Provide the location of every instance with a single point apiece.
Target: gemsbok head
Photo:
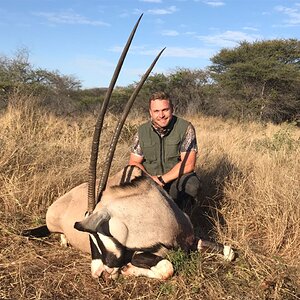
(128, 223)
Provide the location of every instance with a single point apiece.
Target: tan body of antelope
(133, 223)
(132, 218)
(133, 226)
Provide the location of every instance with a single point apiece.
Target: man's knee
(188, 184)
(192, 185)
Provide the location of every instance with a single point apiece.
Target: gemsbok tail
(38, 232)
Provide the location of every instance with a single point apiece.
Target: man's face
(161, 112)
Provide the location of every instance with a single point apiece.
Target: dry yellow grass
(250, 199)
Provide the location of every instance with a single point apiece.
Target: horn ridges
(99, 123)
(115, 138)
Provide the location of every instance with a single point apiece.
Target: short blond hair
(160, 96)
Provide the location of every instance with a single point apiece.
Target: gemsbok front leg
(149, 265)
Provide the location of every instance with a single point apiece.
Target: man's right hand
(155, 178)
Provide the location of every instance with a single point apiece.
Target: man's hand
(155, 178)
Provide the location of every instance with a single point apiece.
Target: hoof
(228, 253)
(128, 270)
(64, 241)
(163, 270)
(110, 273)
(97, 268)
(107, 277)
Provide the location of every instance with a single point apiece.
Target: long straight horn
(99, 123)
(115, 138)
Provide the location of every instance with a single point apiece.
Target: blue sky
(84, 38)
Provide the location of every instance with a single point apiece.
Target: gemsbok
(132, 223)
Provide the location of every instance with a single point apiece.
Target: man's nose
(161, 114)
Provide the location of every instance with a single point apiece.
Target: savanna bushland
(248, 163)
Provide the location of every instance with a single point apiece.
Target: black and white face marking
(112, 252)
(95, 247)
(97, 266)
(107, 255)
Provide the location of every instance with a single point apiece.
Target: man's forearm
(133, 163)
(174, 172)
(188, 159)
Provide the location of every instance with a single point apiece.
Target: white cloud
(182, 52)
(250, 28)
(228, 38)
(292, 13)
(151, 1)
(214, 3)
(159, 21)
(69, 18)
(170, 33)
(93, 63)
(137, 11)
(132, 50)
(165, 11)
(191, 33)
(188, 52)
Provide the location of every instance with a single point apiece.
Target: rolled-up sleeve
(189, 142)
(136, 147)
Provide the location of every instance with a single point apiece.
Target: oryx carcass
(133, 223)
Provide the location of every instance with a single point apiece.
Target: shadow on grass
(206, 213)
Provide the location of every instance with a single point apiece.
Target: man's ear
(172, 108)
(150, 113)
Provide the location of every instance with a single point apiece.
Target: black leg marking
(145, 260)
(153, 249)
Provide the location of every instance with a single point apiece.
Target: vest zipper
(161, 155)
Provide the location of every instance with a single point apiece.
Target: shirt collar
(163, 131)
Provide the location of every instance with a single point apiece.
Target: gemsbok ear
(93, 222)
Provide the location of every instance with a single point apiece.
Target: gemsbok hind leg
(148, 265)
(226, 251)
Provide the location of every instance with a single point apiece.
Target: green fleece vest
(161, 154)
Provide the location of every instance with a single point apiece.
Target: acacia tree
(260, 79)
(53, 89)
(188, 89)
(155, 82)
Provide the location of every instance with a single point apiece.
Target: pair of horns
(99, 124)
